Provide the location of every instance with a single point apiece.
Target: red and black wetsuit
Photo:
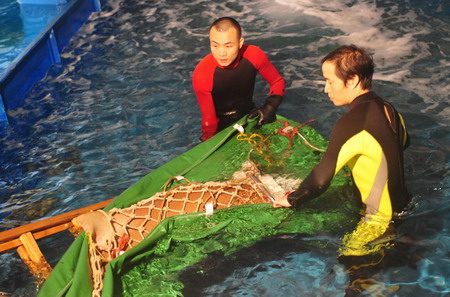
(225, 94)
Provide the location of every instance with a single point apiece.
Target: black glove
(300, 195)
(266, 113)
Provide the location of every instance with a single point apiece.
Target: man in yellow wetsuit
(369, 139)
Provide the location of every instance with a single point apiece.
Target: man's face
(339, 93)
(225, 45)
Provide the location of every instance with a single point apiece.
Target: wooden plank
(32, 256)
(15, 233)
(31, 247)
(22, 251)
(10, 245)
(53, 230)
(24, 240)
(38, 235)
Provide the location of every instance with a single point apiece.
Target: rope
(290, 132)
(261, 144)
(309, 144)
(131, 225)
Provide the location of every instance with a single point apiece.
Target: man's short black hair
(224, 23)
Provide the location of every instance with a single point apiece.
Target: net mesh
(159, 273)
(119, 230)
(268, 152)
(139, 219)
(282, 155)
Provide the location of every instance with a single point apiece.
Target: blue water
(20, 24)
(121, 104)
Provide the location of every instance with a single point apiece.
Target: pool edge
(41, 54)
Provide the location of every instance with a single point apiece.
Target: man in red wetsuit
(224, 80)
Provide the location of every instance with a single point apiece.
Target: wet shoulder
(206, 63)
(254, 55)
(205, 68)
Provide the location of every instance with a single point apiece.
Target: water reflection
(121, 104)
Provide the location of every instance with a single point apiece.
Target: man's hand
(283, 202)
(302, 194)
(206, 136)
(267, 113)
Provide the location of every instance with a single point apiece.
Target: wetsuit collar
(361, 99)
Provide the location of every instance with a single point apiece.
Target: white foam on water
(360, 24)
(392, 35)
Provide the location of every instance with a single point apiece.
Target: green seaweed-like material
(152, 268)
(190, 240)
(245, 225)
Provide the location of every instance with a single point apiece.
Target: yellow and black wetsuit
(370, 139)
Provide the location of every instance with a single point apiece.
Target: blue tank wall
(34, 62)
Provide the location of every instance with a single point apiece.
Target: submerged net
(192, 239)
(119, 230)
(285, 152)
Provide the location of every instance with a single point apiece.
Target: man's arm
(202, 83)
(267, 70)
(338, 154)
(266, 113)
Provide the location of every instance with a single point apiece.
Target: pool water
(20, 24)
(121, 104)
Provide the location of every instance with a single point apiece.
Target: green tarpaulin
(152, 267)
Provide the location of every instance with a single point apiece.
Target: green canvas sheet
(151, 268)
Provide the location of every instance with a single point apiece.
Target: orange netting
(118, 230)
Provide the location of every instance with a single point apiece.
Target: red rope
(122, 244)
(290, 132)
